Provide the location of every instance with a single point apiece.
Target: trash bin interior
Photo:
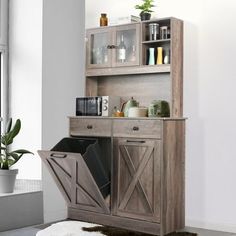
(73, 145)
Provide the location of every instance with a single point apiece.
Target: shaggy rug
(77, 228)
(111, 231)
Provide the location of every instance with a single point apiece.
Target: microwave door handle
(99, 102)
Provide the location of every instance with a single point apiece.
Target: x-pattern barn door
(138, 178)
(75, 181)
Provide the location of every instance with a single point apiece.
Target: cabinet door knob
(109, 46)
(89, 126)
(135, 128)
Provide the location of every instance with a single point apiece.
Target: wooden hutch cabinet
(145, 157)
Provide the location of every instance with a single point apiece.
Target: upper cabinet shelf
(156, 41)
(131, 70)
(135, 48)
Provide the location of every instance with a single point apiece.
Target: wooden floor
(31, 231)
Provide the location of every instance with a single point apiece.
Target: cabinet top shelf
(138, 22)
(127, 118)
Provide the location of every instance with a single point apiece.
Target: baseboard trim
(230, 228)
(21, 210)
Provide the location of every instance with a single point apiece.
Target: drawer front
(137, 128)
(90, 127)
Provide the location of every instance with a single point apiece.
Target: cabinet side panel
(177, 67)
(173, 203)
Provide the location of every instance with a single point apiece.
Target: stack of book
(123, 20)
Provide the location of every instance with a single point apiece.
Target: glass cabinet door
(98, 53)
(126, 40)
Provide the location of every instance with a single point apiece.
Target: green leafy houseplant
(146, 9)
(9, 157)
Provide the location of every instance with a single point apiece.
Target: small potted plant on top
(9, 157)
(145, 9)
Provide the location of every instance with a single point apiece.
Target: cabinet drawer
(137, 128)
(90, 127)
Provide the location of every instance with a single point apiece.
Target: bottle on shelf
(153, 31)
(103, 19)
(122, 50)
(163, 32)
(133, 54)
(151, 60)
(159, 55)
(167, 56)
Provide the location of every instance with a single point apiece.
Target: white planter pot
(7, 180)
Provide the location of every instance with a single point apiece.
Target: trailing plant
(8, 157)
(146, 6)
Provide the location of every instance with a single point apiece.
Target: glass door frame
(137, 28)
(90, 34)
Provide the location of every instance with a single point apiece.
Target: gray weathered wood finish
(113, 80)
(90, 127)
(75, 181)
(115, 221)
(147, 176)
(137, 192)
(177, 67)
(134, 70)
(173, 180)
(137, 128)
(144, 89)
(147, 154)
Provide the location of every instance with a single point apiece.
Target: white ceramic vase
(7, 180)
(151, 60)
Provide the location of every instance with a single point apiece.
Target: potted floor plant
(8, 157)
(146, 9)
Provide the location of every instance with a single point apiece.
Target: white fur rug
(68, 228)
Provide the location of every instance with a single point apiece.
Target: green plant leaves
(8, 137)
(146, 6)
(16, 155)
(8, 126)
(7, 158)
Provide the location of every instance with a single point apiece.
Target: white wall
(25, 72)
(63, 80)
(209, 95)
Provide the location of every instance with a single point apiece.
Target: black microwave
(96, 106)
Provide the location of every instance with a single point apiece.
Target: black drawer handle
(136, 141)
(135, 128)
(89, 126)
(58, 155)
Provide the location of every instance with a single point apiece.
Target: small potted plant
(145, 9)
(9, 157)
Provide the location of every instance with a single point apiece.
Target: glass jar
(103, 19)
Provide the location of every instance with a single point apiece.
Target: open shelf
(156, 41)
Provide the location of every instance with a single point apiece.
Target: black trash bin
(91, 153)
